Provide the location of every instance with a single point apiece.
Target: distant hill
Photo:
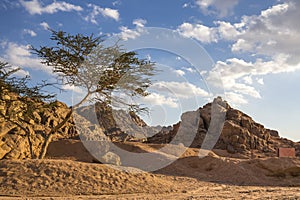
(240, 134)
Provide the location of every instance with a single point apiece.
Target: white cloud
(158, 99)
(105, 12)
(222, 8)
(139, 22)
(275, 10)
(273, 40)
(30, 32)
(244, 89)
(179, 72)
(222, 30)
(19, 55)
(241, 45)
(183, 90)
(260, 81)
(185, 5)
(35, 7)
(198, 31)
(73, 88)
(108, 12)
(227, 31)
(235, 69)
(274, 32)
(189, 69)
(20, 73)
(116, 3)
(248, 80)
(45, 25)
(235, 99)
(127, 33)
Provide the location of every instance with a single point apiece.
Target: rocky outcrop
(118, 125)
(24, 124)
(240, 133)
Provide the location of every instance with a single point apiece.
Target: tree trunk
(28, 133)
(45, 146)
(59, 126)
(50, 135)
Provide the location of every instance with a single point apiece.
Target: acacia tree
(84, 61)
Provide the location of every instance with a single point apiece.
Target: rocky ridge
(240, 134)
(26, 122)
(29, 124)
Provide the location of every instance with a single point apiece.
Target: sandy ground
(213, 191)
(69, 175)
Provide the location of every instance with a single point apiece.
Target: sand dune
(70, 175)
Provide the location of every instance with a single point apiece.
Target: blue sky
(253, 47)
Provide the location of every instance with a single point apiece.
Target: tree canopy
(84, 61)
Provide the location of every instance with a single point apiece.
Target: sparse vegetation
(77, 61)
(83, 61)
(13, 88)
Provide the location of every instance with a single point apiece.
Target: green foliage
(85, 62)
(68, 54)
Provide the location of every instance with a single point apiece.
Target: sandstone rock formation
(240, 134)
(118, 125)
(25, 126)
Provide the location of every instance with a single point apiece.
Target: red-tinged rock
(286, 152)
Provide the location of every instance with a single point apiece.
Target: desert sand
(68, 173)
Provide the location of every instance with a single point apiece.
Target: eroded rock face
(118, 125)
(28, 123)
(240, 133)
